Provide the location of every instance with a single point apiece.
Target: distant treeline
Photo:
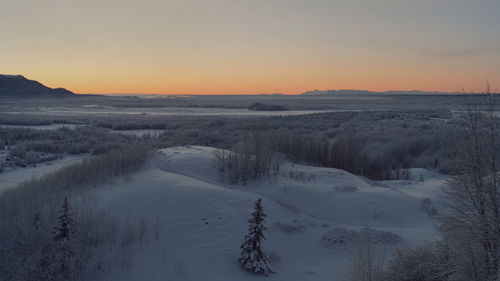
(375, 144)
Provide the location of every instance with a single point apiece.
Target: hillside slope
(196, 222)
(17, 86)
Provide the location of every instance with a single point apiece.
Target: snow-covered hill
(195, 222)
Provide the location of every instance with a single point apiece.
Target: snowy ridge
(202, 220)
(376, 205)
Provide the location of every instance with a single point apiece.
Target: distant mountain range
(365, 92)
(17, 86)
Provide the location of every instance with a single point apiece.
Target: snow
(202, 220)
(15, 176)
(421, 189)
(375, 204)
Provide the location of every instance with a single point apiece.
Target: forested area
(378, 145)
(469, 223)
(57, 234)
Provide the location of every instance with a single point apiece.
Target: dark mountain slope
(17, 86)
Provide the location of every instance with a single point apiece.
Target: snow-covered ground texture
(12, 177)
(196, 222)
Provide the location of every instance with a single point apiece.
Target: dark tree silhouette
(37, 217)
(253, 258)
(62, 238)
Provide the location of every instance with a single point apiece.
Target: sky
(252, 46)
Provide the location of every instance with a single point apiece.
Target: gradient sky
(252, 46)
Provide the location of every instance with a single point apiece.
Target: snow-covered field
(196, 222)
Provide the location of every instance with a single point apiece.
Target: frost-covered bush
(424, 263)
(79, 148)
(45, 146)
(367, 263)
(470, 222)
(252, 159)
(346, 238)
(19, 151)
(29, 213)
(102, 148)
(375, 144)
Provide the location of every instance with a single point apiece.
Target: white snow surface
(203, 220)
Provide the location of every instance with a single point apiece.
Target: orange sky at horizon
(298, 85)
(195, 47)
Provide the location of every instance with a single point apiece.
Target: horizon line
(286, 94)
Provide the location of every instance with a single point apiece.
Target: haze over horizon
(252, 47)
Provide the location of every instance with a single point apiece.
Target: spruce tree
(253, 258)
(62, 238)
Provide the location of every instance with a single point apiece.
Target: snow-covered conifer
(253, 258)
(62, 237)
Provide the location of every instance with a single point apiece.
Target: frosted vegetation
(372, 144)
(346, 195)
(30, 245)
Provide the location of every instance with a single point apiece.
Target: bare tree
(423, 263)
(254, 158)
(366, 263)
(472, 223)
